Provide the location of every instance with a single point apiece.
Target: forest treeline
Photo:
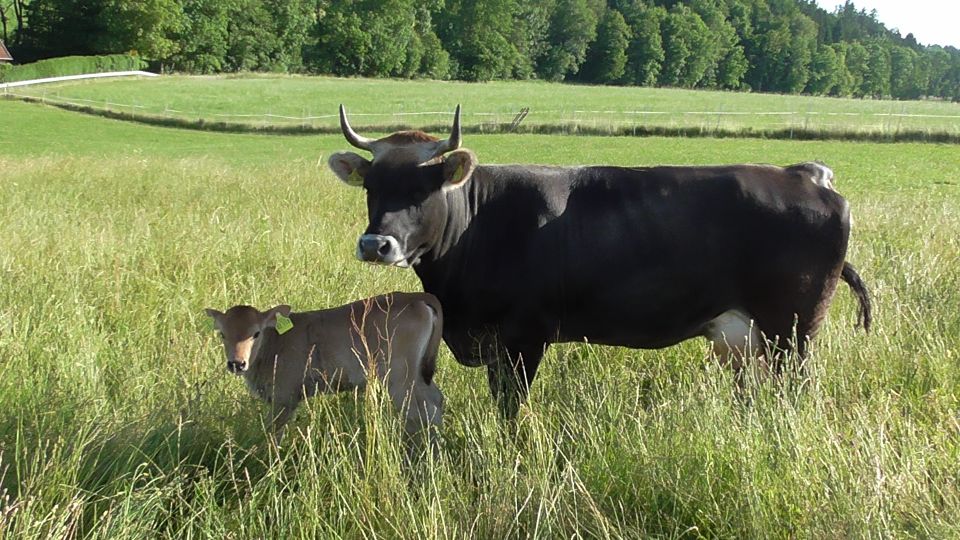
(787, 46)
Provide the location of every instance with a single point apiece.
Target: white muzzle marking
(380, 249)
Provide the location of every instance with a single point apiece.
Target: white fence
(78, 77)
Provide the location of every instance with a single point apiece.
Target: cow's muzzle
(236, 366)
(380, 249)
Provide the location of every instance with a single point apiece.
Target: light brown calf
(334, 350)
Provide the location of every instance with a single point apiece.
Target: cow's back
(637, 257)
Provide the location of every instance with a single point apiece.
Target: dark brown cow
(521, 256)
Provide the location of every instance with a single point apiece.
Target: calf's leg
(281, 414)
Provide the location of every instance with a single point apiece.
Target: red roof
(4, 53)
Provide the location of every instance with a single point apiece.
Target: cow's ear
(457, 168)
(349, 167)
(270, 317)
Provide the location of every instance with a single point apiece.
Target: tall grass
(119, 420)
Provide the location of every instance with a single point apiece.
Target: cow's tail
(864, 314)
(428, 365)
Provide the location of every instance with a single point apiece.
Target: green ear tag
(283, 324)
(458, 174)
(355, 179)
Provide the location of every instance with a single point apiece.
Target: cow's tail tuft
(864, 313)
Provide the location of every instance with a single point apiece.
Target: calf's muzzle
(236, 366)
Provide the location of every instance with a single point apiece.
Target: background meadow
(297, 103)
(119, 420)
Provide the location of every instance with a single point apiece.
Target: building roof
(4, 53)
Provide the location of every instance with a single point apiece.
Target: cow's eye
(256, 335)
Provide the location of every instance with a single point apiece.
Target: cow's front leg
(511, 375)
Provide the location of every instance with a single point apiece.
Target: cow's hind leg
(511, 376)
(792, 322)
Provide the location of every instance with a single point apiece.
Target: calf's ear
(215, 315)
(457, 168)
(349, 168)
(270, 317)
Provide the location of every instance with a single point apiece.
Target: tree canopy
(787, 46)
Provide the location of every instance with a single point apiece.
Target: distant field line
(108, 103)
(788, 124)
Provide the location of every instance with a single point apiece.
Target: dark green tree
(676, 48)
(529, 36)
(844, 83)
(688, 48)
(365, 37)
(64, 27)
(902, 71)
(645, 51)
(147, 27)
(856, 59)
(202, 37)
(607, 56)
(938, 68)
(292, 22)
(478, 37)
(573, 26)
(725, 65)
(11, 21)
(876, 79)
(952, 84)
(825, 70)
(803, 44)
(252, 42)
(780, 47)
(732, 68)
(435, 62)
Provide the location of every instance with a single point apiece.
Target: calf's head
(405, 182)
(241, 329)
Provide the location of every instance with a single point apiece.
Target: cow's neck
(262, 367)
(445, 263)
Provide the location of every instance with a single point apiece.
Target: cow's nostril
(384, 249)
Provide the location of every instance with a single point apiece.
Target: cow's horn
(454, 141)
(362, 143)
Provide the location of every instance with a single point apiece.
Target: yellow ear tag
(283, 324)
(458, 174)
(355, 179)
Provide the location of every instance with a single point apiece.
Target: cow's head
(405, 184)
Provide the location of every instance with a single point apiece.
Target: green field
(311, 102)
(120, 421)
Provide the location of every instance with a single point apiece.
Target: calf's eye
(256, 335)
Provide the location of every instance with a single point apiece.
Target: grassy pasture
(119, 421)
(311, 102)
